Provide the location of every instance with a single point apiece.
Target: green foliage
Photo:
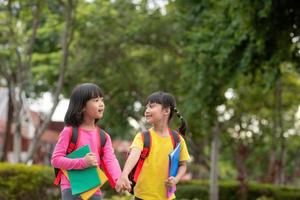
(128, 52)
(192, 191)
(197, 50)
(246, 47)
(18, 181)
(27, 182)
(229, 191)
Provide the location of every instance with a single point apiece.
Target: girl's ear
(166, 111)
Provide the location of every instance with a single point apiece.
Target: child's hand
(91, 159)
(118, 187)
(123, 184)
(171, 181)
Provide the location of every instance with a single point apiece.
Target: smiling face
(155, 113)
(159, 108)
(94, 108)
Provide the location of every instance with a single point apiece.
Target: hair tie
(177, 113)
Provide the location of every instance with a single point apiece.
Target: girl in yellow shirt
(153, 180)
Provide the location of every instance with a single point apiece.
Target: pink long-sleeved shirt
(87, 137)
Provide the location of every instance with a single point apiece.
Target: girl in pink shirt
(86, 107)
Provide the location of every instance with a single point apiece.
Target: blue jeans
(67, 195)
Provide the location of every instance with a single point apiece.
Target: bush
(195, 192)
(228, 190)
(19, 181)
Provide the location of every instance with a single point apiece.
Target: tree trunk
(7, 136)
(296, 170)
(17, 144)
(241, 156)
(282, 150)
(17, 75)
(197, 150)
(66, 39)
(270, 177)
(214, 189)
(17, 137)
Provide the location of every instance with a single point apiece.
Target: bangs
(156, 97)
(162, 98)
(93, 92)
(88, 91)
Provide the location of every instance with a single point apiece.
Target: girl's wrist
(84, 162)
(124, 175)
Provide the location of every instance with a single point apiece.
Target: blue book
(174, 158)
(83, 179)
(174, 161)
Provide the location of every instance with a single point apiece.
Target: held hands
(123, 184)
(171, 181)
(90, 159)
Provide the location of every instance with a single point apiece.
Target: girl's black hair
(80, 95)
(168, 101)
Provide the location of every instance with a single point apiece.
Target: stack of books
(84, 182)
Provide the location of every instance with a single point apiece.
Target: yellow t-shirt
(151, 182)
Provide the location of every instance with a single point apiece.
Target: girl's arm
(184, 156)
(123, 182)
(110, 160)
(59, 160)
(172, 181)
(131, 160)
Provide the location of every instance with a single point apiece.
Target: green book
(84, 179)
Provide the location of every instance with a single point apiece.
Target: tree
(68, 8)
(222, 40)
(16, 59)
(18, 42)
(122, 48)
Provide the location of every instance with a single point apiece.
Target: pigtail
(183, 127)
